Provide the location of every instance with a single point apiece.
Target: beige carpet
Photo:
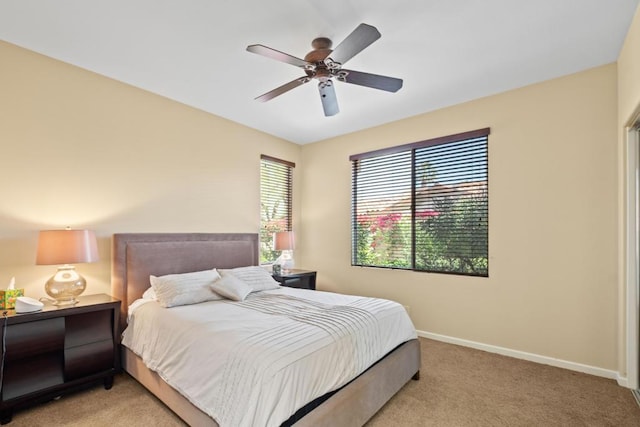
(458, 387)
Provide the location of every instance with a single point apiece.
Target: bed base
(352, 405)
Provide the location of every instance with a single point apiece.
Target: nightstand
(294, 278)
(58, 349)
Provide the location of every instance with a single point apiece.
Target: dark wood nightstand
(294, 278)
(58, 349)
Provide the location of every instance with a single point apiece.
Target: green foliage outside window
(451, 238)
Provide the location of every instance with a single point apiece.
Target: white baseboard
(622, 381)
(559, 363)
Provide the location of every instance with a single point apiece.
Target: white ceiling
(447, 51)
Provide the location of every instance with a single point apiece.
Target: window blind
(276, 194)
(423, 206)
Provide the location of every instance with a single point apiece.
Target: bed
(137, 256)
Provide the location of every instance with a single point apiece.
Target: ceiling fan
(323, 64)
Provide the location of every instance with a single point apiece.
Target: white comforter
(256, 362)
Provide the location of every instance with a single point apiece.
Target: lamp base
(65, 285)
(63, 302)
(286, 260)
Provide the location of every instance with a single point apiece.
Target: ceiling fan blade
(277, 55)
(390, 84)
(328, 98)
(282, 89)
(355, 43)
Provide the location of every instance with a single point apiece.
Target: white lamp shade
(284, 241)
(57, 247)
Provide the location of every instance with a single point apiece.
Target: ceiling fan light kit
(325, 64)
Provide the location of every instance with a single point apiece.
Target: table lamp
(65, 247)
(284, 241)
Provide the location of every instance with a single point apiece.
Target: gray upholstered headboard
(135, 256)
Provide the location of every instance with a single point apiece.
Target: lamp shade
(284, 241)
(56, 247)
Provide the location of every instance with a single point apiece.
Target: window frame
(411, 149)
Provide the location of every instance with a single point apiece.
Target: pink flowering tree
(383, 239)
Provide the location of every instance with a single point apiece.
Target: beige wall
(628, 74)
(82, 150)
(628, 110)
(552, 223)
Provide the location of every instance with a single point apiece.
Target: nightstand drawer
(88, 359)
(32, 338)
(294, 283)
(87, 328)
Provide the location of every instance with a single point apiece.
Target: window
(423, 206)
(276, 178)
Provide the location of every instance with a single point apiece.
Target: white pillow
(187, 288)
(258, 278)
(149, 294)
(231, 287)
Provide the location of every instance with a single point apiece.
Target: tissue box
(8, 298)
